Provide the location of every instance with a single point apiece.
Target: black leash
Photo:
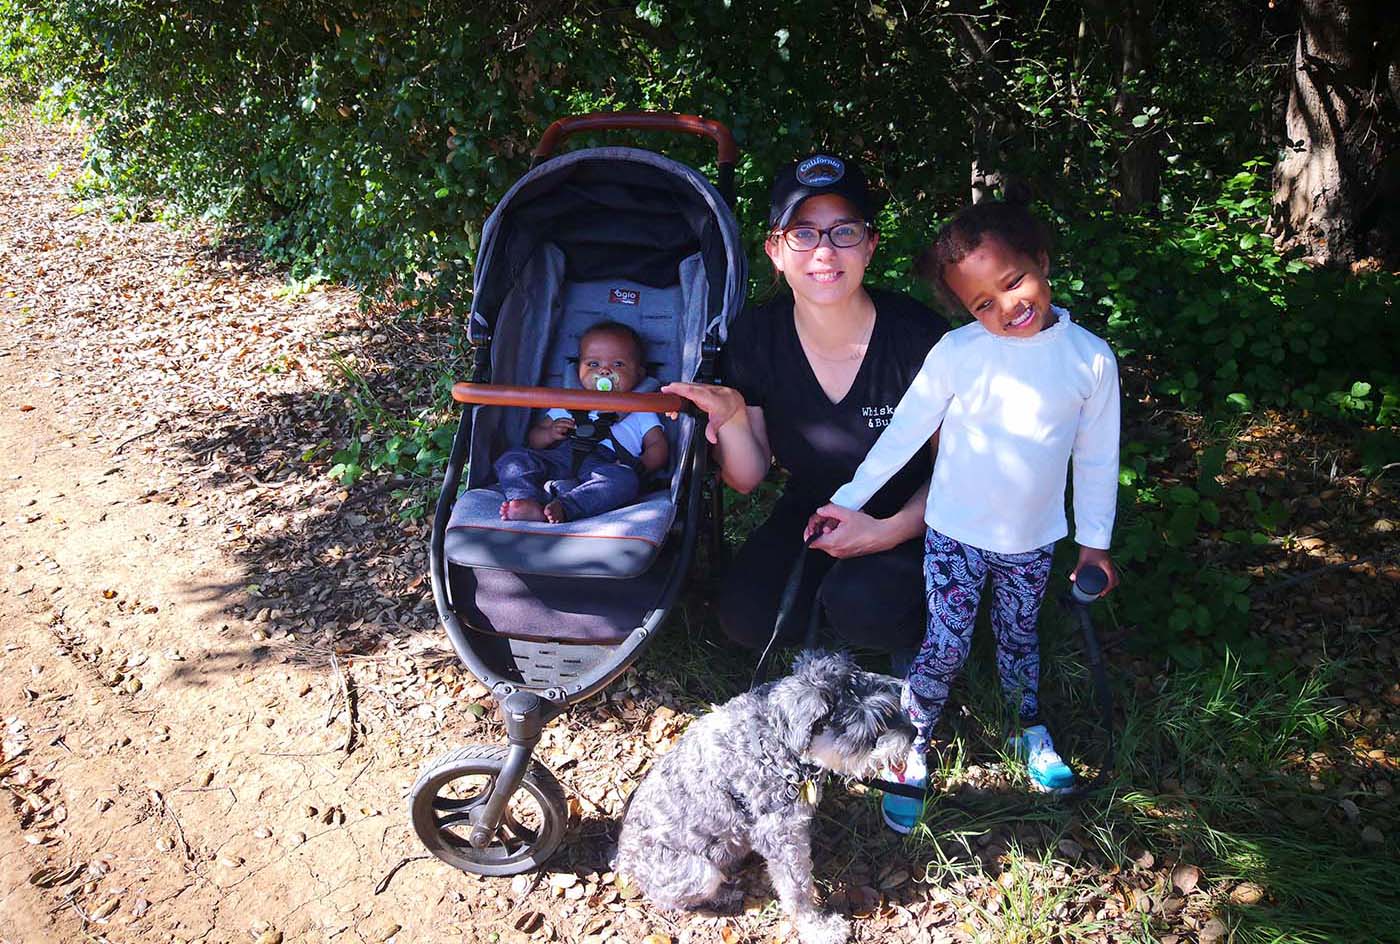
(1088, 584)
(785, 606)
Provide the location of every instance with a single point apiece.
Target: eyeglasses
(842, 236)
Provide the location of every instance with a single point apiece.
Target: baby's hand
(560, 429)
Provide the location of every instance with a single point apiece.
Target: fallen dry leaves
(200, 362)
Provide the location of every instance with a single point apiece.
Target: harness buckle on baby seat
(591, 432)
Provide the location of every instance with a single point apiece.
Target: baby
(577, 466)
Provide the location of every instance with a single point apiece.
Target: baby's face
(605, 355)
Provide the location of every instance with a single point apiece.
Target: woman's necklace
(858, 348)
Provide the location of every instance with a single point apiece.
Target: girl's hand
(846, 533)
(1099, 558)
(721, 404)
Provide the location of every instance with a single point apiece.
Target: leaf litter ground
(222, 670)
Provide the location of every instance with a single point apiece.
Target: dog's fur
(736, 783)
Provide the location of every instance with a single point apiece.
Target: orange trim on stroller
(548, 397)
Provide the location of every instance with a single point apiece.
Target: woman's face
(825, 275)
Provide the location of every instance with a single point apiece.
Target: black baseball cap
(811, 177)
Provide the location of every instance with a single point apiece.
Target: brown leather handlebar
(544, 398)
(555, 134)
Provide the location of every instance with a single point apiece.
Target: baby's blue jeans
(603, 482)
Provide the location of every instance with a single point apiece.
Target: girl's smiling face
(1007, 291)
(825, 275)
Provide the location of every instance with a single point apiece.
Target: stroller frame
(495, 841)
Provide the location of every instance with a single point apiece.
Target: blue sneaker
(901, 813)
(1047, 771)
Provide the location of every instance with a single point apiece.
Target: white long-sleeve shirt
(1013, 412)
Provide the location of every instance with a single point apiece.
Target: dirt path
(177, 772)
(221, 669)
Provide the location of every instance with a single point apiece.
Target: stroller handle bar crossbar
(543, 398)
(638, 121)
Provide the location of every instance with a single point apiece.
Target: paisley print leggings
(954, 574)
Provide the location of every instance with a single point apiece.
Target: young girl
(1018, 393)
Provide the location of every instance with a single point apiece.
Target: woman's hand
(847, 533)
(1100, 559)
(721, 404)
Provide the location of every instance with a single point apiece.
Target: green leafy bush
(367, 142)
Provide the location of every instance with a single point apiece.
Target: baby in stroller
(578, 465)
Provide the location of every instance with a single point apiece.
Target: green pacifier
(602, 385)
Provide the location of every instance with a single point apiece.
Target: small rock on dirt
(381, 929)
(1070, 849)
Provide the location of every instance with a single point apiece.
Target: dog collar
(802, 780)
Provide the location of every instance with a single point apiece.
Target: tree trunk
(991, 128)
(1140, 163)
(986, 177)
(1337, 185)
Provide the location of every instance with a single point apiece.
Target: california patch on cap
(820, 170)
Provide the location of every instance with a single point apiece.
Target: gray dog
(745, 778)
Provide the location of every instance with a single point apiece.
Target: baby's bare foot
(554, 513)
(522, 509)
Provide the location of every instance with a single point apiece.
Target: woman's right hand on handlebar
(721, 404)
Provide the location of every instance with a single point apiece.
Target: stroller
(547, 615)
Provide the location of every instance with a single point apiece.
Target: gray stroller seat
(623, 542)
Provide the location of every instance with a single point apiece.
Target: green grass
(1208, 774)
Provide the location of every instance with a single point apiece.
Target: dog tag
(808, 792)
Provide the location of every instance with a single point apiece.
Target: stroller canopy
(614, 212)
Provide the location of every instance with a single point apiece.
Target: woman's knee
(875, 607)
(744, 618)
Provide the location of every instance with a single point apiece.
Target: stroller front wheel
(451, 788)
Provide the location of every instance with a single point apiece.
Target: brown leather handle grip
(555, 134)
(543, 398)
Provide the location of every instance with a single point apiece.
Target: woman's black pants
(871, 602)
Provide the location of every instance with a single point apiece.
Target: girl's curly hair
(1010, 222)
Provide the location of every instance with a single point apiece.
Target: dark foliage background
(368, 142)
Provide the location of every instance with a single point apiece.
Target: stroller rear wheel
(532, 824)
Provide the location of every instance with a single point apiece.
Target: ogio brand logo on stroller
(624, 296)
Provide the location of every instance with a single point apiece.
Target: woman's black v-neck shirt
(821, 443)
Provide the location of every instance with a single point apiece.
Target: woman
(813, 380)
